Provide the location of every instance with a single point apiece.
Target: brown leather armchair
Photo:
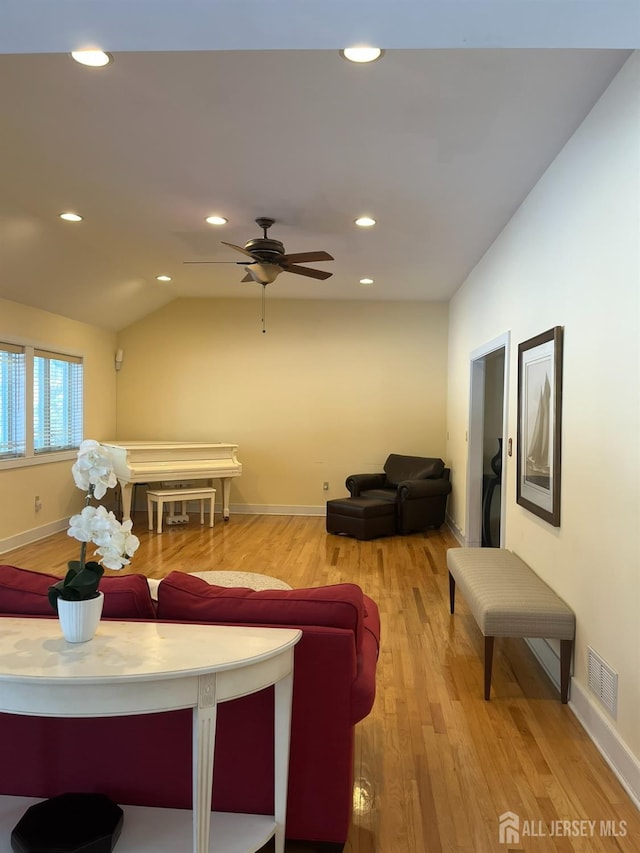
(418, 486)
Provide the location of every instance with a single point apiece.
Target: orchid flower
(93, 473)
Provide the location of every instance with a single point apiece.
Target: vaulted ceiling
(440, 141)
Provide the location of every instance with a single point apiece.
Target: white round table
(250, 580)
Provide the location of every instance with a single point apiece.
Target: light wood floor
(436, 765)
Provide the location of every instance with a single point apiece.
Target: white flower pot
(79, 619)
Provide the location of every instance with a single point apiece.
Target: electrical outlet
(325, 486)
(37, 504)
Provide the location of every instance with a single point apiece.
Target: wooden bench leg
(452, 593)
(488, 665)
(566, 648)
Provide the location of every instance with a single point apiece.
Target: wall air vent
(603, 681)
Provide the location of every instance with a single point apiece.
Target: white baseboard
(455, 530)
(247, 509)
(593, 720)
(610, 745)
(33, 535)
(277, 509)
(548, 658)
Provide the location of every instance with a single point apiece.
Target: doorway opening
(486, 449)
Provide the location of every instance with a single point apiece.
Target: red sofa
(146, 760)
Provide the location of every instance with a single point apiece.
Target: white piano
(164, 461)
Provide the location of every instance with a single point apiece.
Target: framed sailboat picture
(539, 424)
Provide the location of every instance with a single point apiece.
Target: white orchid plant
(93, 473)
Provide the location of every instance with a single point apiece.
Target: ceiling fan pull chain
(264, 292)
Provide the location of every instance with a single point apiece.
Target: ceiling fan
(268, 258)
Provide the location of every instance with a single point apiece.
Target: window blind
(57, 401)
(12, 409)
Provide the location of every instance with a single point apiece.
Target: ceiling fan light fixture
(361, 53)
(365, 221)
(263, 273)
(93, 58)
(71, 217)
(216, 220)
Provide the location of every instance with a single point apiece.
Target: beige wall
(331, 388)
(53, 482)
(570, 257)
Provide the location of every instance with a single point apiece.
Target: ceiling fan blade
(247, 278)
(242, 263)
(307, 256)
(237, 248)
(320, 274)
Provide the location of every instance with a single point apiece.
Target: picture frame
(539, 433)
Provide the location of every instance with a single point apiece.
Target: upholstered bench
(364, 518)
(507, 599)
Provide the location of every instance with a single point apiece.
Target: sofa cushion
(398, 468)
(24, 593)
(184, 597)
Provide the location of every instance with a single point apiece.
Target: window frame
(72, 420)
(31, 456)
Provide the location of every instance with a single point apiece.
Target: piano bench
(171, 496)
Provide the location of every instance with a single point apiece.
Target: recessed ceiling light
(216, 220)
(366, 281)
(71, 217)
(163, 277)
(365, 221)
(361, 53)
(93, 58)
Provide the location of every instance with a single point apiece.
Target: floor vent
(603, 681)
